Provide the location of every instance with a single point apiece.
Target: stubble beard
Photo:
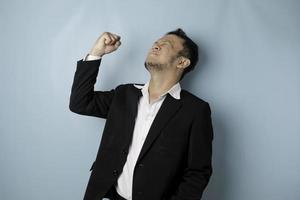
(154, 66)
(157, 66)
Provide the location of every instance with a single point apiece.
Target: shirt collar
(174, 91)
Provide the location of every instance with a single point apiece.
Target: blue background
(251, 80)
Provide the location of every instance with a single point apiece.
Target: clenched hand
(105, 44)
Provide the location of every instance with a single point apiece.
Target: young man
(157, 139)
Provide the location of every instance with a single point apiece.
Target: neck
(158, 86)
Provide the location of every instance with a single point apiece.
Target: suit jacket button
(124, 151)
(115, 172)
(140, 165)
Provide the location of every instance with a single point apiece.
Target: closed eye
(165, 43)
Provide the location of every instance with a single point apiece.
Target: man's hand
(106, 43)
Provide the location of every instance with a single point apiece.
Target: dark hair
(190, 50)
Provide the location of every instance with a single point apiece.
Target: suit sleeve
(83, 99)
(199, 168)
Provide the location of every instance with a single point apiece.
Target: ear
(183, 62)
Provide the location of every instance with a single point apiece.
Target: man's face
(164, 52)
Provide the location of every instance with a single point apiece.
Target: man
(157, 139)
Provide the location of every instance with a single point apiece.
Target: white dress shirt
(145, 116)
(91, 57)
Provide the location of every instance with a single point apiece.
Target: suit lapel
(131, 109)
(167, 110)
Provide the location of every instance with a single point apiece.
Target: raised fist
(106, 43)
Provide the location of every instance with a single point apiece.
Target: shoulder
(195, 105)
(198, 108)
(129, 86)
(192, 99)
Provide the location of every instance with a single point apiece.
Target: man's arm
(199, 168)
(83, 99)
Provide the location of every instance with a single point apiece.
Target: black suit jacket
(175, 160)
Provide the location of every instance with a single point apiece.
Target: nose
(155, 47)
